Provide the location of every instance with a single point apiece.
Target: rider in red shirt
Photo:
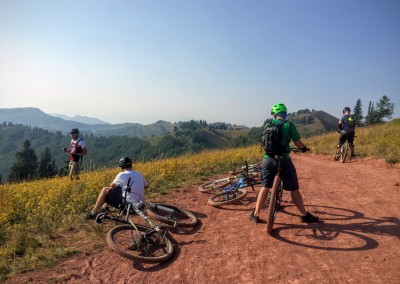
(77, 151)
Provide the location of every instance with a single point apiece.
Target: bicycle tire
(229, 197)
(279, 197)
(180, 218)
(155, 248)
(216, 184)
(344, 151)
(272, 205)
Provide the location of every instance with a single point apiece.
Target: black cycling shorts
(114, 197)
(269, 168)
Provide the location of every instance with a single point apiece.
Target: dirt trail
(357, 242)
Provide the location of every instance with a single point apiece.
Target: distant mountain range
(308, 123)
(36, 118)
(79, 118)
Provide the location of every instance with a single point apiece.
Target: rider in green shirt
(289, 175)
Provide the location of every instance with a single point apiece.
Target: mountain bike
(235, 191)
(344, 152)
(145, 244)
(250, 174)
(275, 194)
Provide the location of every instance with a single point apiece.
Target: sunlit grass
(41, 221)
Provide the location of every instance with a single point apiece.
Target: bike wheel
(344, 152)
(143, 245)
(227, 197)
(272, 205)
(216, 184)
(279, 197)
(178, 217)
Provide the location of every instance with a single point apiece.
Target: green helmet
(278, 108)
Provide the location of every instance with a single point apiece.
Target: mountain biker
(113, 195)
(346, 130)
(77, 150)
(269, 168)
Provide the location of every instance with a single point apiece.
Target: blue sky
(230, 61)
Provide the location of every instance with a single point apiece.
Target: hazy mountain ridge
(80, 118)
(34, 117)
(308, 124)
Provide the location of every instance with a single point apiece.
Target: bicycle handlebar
(303, 150)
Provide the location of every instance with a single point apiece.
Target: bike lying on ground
(275, 194)
(250, 173)
(234, 188)
(150, 243)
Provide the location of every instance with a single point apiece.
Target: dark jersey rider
(347, 131)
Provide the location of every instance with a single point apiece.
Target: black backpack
(271, 139)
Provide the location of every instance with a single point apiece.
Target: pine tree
(384, 109)
(25, 166)
(369, 120)
(47, 165)
(357, 113)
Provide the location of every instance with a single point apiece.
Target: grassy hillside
(314, 123)
(41, 221)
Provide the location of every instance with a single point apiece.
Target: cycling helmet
(74, 131)
(346, 109)
(278, 108)
(125, 162)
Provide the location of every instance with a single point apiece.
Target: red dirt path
(357, 242)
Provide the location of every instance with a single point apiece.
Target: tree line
(20, 144)
(27, 166)
(377, 113)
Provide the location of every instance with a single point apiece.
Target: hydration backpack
(271, 139)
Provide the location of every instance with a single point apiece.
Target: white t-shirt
(138, 183)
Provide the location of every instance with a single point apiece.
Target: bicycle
(145, 244)
(235, 191)
(344, 152)
(248, 172)
(275, 195)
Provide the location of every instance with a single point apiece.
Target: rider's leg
(342, 139)
(350, 138)
(261, 199)
(291, 183)
(269, 170)
(101, 200)
(298, 201)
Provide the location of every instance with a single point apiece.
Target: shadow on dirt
(341, 230)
